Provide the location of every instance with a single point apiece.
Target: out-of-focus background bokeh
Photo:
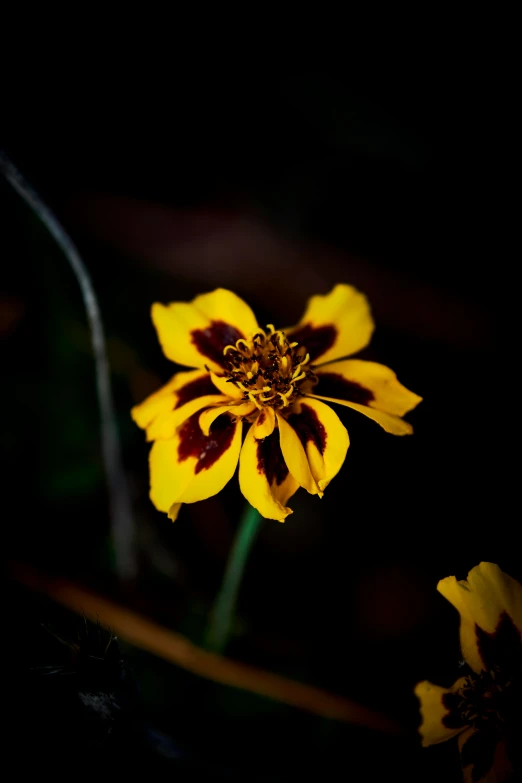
(277, 188)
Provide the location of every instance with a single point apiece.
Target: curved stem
(223, 611)
(121, 516)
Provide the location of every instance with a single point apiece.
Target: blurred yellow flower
(276, 381)
(484, 707)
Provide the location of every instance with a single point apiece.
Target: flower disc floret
(269, 369)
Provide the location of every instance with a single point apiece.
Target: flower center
(487, 700)
(268, 368)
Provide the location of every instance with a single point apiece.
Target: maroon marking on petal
(197, 388)
(332, 384)
(309, 427)
(503, 647)
(211, 341)
(206, 449)
(452, 702)
(261, 418)
(316, 339)
(270, 460)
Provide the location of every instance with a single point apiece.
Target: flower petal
(295, 456)
(324, 437)
(265, 423)
(196, 333)
(191, 466)
(264, 478)
(207, 418)
(226, 387)
(174, 325)
(164, 410)
(165, 425)
(366, 383)
(490, 606)
(389, 423)
(436, 714)
(162, 400)
(174, 511)
(335, 325)
(221, 301)
(162, 464)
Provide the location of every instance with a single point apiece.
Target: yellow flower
(483, 708)
(274, 381)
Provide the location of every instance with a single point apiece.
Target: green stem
(224, 607)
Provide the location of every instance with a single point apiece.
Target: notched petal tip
(489, 602)
(336, 324)
(434, 713)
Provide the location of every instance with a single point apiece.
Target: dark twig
(120, 506)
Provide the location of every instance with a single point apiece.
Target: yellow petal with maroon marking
(365, 383)
(159, 403)
(174, 324)
(194, 384)
(191, 466)
(436, 713)
(490, 606)
(391, 424)
(165, 425)
(196, 333)
(323, 436)
(164, 399)
(207, 418)
(335, 325)
(264, 478)
(183, 395)
(295, 456)
(164, 410)
(224, 304)
(265, 423)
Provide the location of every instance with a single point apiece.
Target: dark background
(276, 186)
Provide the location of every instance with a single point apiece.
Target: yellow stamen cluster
(268, 368)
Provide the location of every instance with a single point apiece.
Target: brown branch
(174, 647)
